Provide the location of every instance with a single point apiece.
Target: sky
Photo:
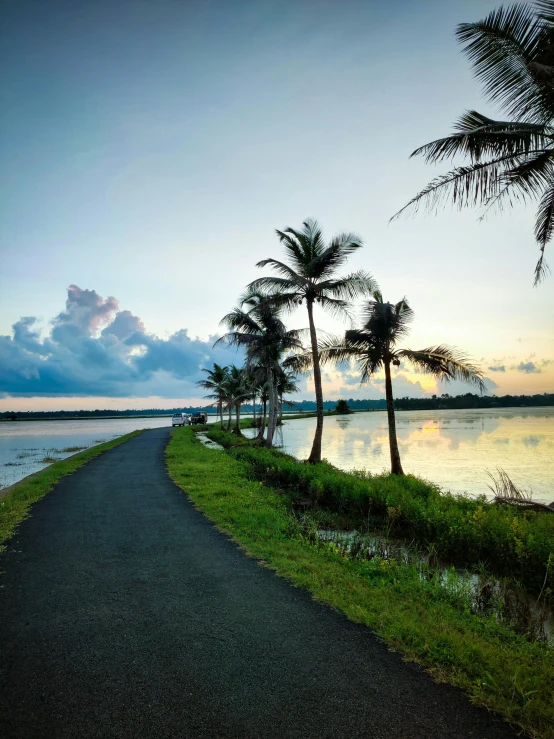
(150, 148)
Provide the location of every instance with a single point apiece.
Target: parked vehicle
(180, 419)
(199, 418)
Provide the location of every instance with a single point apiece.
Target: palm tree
(310, 276)
(286, 384)
(215, 382)
(237, 391)
(373, 347)
(264, 336)
(512, 52)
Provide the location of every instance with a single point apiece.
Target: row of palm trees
(230, 387)
(274, 354)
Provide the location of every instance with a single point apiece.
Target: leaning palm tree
(374, 347)
(256, 326)
(215, 381)
(310, 276)
(512, 52)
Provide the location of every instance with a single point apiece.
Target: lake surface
(24, 444)
(450, 448)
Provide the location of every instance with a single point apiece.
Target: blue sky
(150, 149)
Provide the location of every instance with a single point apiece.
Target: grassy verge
(492, 664)
(14, 507)
(465, 531)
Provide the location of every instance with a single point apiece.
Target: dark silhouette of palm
(310, 276)
(260, 331)
(374, 346)
(215, 381)
(512, 52)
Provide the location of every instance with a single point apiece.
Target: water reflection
(451, 448)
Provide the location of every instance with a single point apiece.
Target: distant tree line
(436, 402)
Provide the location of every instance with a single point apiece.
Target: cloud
(93, 348)
(527, 367)
(498, 368)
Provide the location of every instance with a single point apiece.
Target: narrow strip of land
(125, 613)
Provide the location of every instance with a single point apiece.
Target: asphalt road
(124, 613)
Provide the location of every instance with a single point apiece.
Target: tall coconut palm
(374, 347)
(512, 52)
(310, 277)
(215, 381)
(256, 326)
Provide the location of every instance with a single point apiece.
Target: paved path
(124, 613)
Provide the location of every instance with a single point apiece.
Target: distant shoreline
(291, 414)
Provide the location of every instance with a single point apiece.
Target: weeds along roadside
(16, 500)
(495, 666)
(464, 531)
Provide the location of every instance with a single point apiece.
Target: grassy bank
(492, 664)
(463, 530)
(18, 498)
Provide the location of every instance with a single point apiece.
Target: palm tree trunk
(395, 464)
(315, 454)
(272, 420)
(237, 415)
(230, 416)
(221, 413)
(262, 424)
(254, 421)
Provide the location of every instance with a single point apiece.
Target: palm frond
(475, 184)
(272, 285)
(543, 231)
(350, 287)
(335, 255)
(480, 136)
(501, 47)
(336, 350)
(524, 181)
(445, 363)
(387, 322)
(283, 269)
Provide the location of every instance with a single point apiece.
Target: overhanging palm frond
(501, 47)
(524, 181)
(480, 136)
(543, 231)
(475, 184)
(445, 363)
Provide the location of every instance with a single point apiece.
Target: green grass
(495, 667)
(14, 507)
(463, 530)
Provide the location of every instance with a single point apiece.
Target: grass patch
(495, 666)
(463, 530)
(72, 449)
(14, 507)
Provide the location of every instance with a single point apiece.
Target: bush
(342, 408)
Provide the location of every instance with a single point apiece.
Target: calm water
(450, 448)
(24, 444)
